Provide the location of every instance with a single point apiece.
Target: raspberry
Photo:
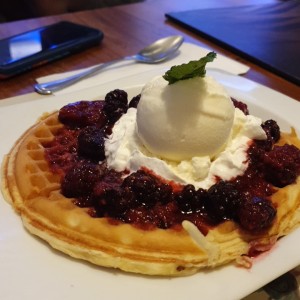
(82, 113)
(282, 165)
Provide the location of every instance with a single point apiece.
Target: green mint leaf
(195, 68)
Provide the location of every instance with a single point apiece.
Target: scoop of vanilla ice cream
(190, 118)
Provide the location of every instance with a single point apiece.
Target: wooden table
(127, 29)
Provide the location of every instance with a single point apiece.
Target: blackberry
(91, 143)
(189, 200)
(135, 101)
(147, 189)
(80, 179)
(110, 180)
(272, 130)
(222, 201)
(109, 197)
(116, 104)
(256, 214)
(273, 135)
(109, 200)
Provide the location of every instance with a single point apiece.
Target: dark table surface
(127, 29)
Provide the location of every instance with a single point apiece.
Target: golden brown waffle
(34, 192)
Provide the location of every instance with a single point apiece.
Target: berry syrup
(148, 201)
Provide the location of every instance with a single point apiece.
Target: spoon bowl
(156, 52)
(160, 50)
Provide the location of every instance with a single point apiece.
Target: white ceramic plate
(30, 269)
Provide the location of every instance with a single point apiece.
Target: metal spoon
(157, 52)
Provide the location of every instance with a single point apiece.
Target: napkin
(123, 69)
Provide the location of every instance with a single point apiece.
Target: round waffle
(34, 192)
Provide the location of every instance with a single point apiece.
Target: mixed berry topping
(255, 214)
(135, 101)
(241, 105)
(147, 201)
(223, 201)
(91, 143)
(281, 165)
(116, 104)
(83, 113)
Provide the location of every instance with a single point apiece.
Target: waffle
(34, 191)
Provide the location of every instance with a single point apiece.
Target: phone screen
(43, 39)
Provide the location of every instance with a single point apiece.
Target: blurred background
(12, 10)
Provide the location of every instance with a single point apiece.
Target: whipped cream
(124, 150)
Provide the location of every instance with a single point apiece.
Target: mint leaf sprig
(195, 68)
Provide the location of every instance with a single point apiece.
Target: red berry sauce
(148, 201)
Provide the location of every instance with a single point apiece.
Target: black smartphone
(30, 49)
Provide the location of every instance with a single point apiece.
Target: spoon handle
(48, 88)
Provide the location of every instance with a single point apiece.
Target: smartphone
(30, 49)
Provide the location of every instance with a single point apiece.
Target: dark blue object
(267, 34)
